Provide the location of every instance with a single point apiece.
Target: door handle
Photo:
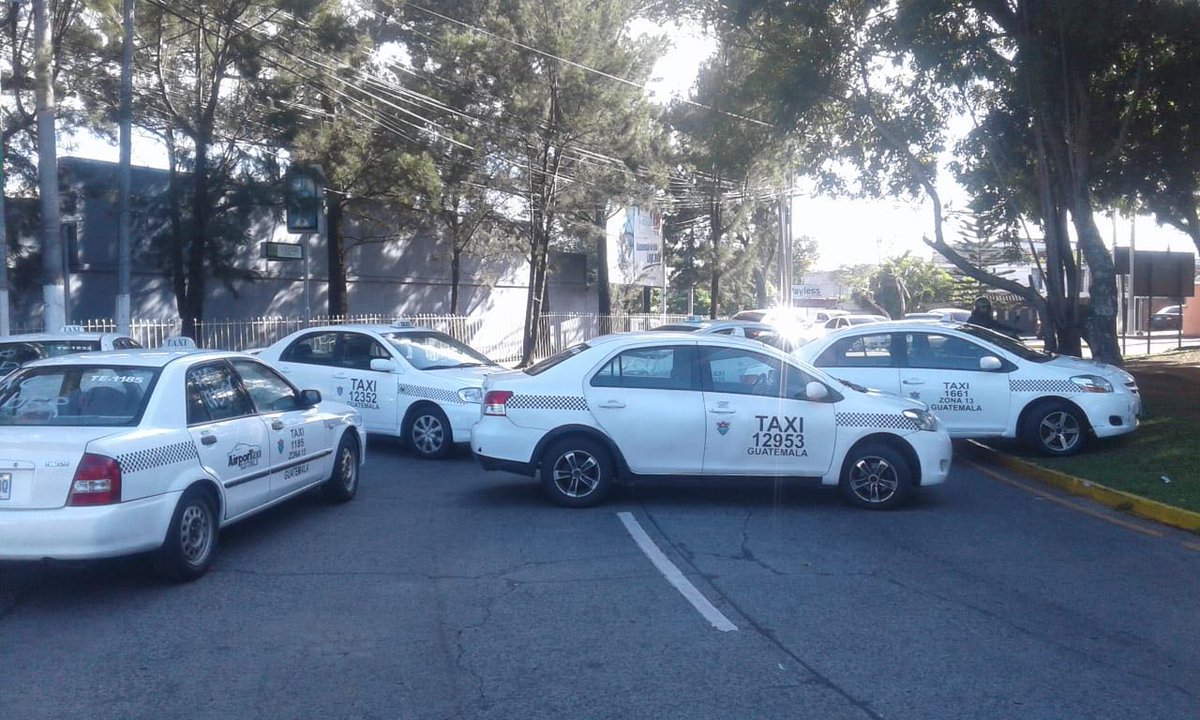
(276, 424)
(340, 376)
(914, 382)
(208, 439)
(722, 411)
(612, 405)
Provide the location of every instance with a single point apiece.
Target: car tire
(876, 476)
(1055, 428)
(191, 541)
(577, 472)
(427, 432)
(342, 483)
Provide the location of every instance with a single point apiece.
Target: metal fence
(498, 337)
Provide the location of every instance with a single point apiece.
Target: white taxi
(983, 384)
(16, 350)
(414, 383)
(118, 453)
(661, 404)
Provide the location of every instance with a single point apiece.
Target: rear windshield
(76, 395)
(544, 365)
(14, 354)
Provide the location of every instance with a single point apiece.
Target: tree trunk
(197, 252)
(335, 257)
(1102, 316)
(176, 239)
(455, 275)
(53, 281)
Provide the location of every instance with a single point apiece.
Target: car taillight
(495, 402)
(97, 482)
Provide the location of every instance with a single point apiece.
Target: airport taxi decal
(778, 435)
(956, 397)
(244, 456)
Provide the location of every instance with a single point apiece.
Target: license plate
(5, 486)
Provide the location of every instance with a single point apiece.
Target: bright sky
(847, 232)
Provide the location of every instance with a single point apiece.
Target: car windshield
(1016, 347)
(435, 351)
(76, 395)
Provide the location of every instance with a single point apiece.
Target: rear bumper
(83, 533)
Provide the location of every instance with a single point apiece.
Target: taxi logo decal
(723, 427)
(280, 446)
(340, 390)
(244, 456)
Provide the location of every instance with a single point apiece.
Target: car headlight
(923, 419)
(1092, 383)
(471, 395)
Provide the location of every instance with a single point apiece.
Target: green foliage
(899, 285)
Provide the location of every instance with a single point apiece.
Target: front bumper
(461, 418)
(1111, 414)
(935, 453)
(81, 533)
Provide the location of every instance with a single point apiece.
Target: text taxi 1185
(637, 405)
(118, 453)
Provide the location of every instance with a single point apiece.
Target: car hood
(1076, 365)
(467, 376)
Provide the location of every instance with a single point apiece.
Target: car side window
(858, 351)
(741, 372)
(214, 394)
(659, 368)
(943, 352)
(358, 350)
(268, 390)
(315, 349)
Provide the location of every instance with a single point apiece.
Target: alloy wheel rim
(348, 469)
(195, 534)
(576, 474)
(428, 434)
(873, 479)
(1059, 431)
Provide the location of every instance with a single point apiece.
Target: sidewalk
(1155, 471)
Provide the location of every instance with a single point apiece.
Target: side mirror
(385, 365)
(990, 363)
(816, 391)
(310, 398)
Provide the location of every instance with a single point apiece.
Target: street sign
(304, 190)
(282, 251)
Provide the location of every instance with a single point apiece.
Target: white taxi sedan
(661, 404)
(16, 350)
(118, 453)
(414, 383)
(983, 384)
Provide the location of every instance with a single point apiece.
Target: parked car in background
(16, 350)
(1168, 318)
(635, 405)
(118, 453)
(760, 331)
(983, 384)
(789, 316)
(411, 382)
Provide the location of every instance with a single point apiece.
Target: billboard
(635, 247)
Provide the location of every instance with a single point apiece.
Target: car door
(310, 360)
(760, 422)
(867, 359)
(230, 438)
(648, 401)
(373, 392)
(298, 441)
(944, 372)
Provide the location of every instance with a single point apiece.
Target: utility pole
(54, 314)
(124, 261)
(5, 325)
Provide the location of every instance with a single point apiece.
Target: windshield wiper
(853, 385)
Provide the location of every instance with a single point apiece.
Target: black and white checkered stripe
(548, 402)
(875, 420)
(151, 458)
(438, 394)
(1042, 386)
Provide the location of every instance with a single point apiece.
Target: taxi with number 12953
(622, 407)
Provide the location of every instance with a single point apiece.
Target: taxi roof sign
(72, 329)
(179, 342)
(402, 324)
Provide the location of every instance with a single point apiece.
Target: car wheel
(428, 433)
(343, 481)
(876, 477)
(1055, 428)
(191, 540)
(577, 472)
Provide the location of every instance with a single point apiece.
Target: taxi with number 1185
(622, 407)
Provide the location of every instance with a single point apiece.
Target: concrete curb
(1116, 499)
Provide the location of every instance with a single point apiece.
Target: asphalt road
(442, 591)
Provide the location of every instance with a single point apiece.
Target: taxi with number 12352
(639, 405)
